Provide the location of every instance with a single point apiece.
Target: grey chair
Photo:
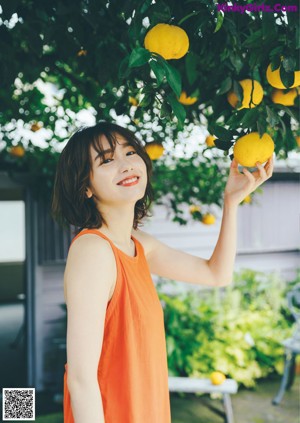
(291, 345)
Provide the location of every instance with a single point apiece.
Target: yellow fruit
(154, 150)
(284, 98)
(298, 140)
(250, 98)
(208, 219)
(187, 101)
(17, 151)
(35, 127)
(273, 78)
(217, 378)
(210, 140)
(247, 199)
(133, 101)
(170, 41)
(232, 98)
(194, 208)
(82, 53)
(250, 149)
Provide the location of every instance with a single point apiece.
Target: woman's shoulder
(88, 255)
(88, 242)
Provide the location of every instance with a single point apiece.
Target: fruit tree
(167, 66)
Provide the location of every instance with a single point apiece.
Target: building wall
(50, 327)
(267, 234)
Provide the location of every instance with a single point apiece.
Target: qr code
(18, 404)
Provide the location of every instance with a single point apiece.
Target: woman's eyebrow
(109, 150)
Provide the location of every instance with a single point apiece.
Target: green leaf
(123, 68)
(220, 20)
(283, 127)
(290, 112)
(191, 61)
(160, 12)
(133, 32)
(173, 77)
(275, 63)
(190, 15)
(158, 70)
(220, 132)
(260, 128)
(236, 61)
(166, 110)
(145, 6)
(223, 145)
(147, 99)
(276, 53)
(195, 93)
(139, 57)
(250, 118)
(287, 78)
(238, 91)
(177, 108)
(253, 39)
(272, 117)
(225, 86)
(269, 27)
(289, 64)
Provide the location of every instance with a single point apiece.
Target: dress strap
(139, 251)
(94, 231)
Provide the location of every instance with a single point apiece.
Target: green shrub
(237, 330)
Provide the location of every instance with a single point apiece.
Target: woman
(116, 367)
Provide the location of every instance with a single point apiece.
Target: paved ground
(249, 406)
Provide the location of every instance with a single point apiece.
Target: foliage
(185, 181)
(236, 330)
(42, 165)
(91, 53)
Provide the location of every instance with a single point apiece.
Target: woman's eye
(105, 161)
(133, 152)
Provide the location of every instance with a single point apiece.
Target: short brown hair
(70, 205)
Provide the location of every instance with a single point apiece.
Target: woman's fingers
(262, 171)
(269, 167)
(262, 174)
(234, 166)
(249, 175)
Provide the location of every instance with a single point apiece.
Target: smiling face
(109, 172)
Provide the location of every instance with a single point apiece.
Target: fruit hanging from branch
(251, 148)
(252, 94)
(169, 41)
(286, 98)
(154, 150)
(187, 100)
(274, 78)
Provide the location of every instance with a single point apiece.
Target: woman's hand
(239, 185)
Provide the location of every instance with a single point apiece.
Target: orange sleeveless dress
(132, 370)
